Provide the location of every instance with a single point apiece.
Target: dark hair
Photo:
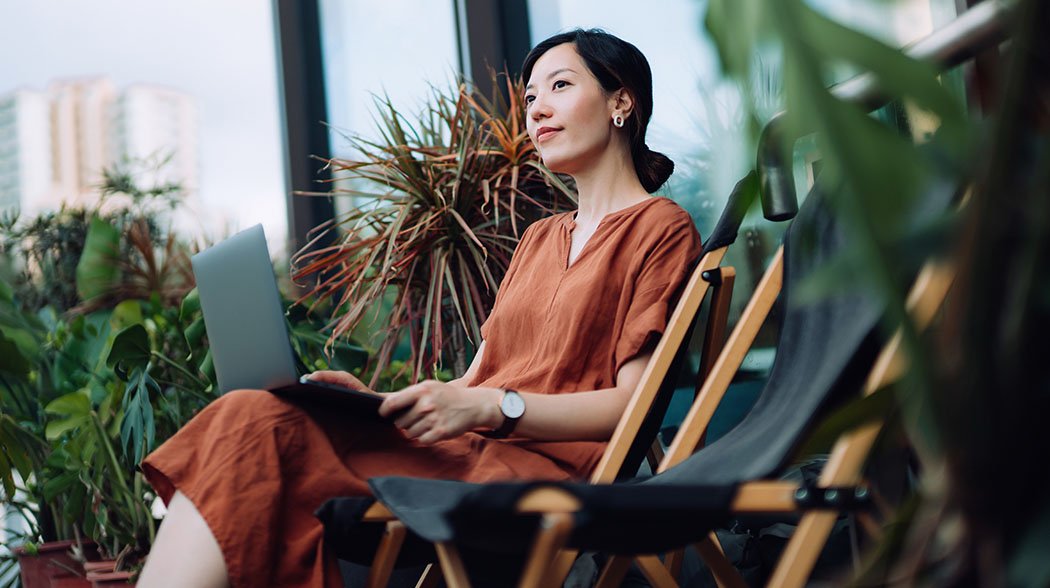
(617, 64)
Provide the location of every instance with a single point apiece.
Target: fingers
(434, 435)
(402, 401)
(419, 411)
(419, 428)
(337, 377)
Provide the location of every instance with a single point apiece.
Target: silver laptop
(247, 329)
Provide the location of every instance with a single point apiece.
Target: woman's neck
(609, 186)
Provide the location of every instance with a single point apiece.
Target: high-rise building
(25, 150)
(81, 114)
(55, 144)
(158, 125)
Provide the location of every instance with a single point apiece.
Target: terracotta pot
(105, 565)
(53, 566)
(101, 574)
(70, 582)
(109, 579)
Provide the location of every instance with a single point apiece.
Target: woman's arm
(465, 379)
(431, 411)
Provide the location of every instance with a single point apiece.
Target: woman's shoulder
(657, 217)
(664, 210)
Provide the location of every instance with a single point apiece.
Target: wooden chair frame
(844, 467)
(706, 276)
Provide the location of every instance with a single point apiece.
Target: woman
(580, 308)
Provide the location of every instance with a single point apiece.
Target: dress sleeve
(656, 290)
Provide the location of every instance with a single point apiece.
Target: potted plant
(24, 450)
(78, 407)
(103, 356)
(440, 204)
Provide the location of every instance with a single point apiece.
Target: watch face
(513, 405)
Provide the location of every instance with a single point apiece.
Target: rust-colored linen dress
(257, 466)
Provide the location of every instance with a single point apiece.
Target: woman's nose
(539, 109)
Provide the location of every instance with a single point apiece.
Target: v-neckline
(570, 226)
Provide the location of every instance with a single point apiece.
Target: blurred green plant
(94, 377)
(104, 356)
(972, 402)
(440, 204)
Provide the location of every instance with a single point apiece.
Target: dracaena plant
(440, 202)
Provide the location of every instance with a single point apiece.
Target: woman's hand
(431, 411)
(344, 379)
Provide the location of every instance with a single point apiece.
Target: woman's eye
(529, 98)
(560, 84)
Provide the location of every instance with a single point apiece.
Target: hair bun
(653, 168)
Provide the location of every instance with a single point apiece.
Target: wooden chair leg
(613, 572)
(431, 577)
(673, 562)
(653, 569)
(802, 551)
(561, 566)
(386, 555)
(553, 535)
(452, 566)
(725, 574)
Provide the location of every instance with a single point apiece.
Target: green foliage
(88, 387)
(97, 272)
(95, 369)
(973, 401)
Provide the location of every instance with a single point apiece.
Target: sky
(221, 53)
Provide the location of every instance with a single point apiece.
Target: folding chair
(351, 523)
(827, 349)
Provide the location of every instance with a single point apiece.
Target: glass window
(398, 49)
(189, 87)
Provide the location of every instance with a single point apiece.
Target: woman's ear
(621, 102)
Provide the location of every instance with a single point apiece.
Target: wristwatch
(513, 407)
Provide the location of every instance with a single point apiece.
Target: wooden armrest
(378, 513)
(765, 497)
(548, 501)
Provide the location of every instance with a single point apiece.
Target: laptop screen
(243, 314)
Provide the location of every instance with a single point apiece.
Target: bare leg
(185, 553)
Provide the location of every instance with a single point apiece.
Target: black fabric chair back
(820, 340)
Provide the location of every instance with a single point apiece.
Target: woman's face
(568, 115)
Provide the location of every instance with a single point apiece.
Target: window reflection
(398, 49)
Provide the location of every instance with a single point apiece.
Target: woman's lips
(545, 133)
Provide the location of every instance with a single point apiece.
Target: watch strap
(508, 424)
